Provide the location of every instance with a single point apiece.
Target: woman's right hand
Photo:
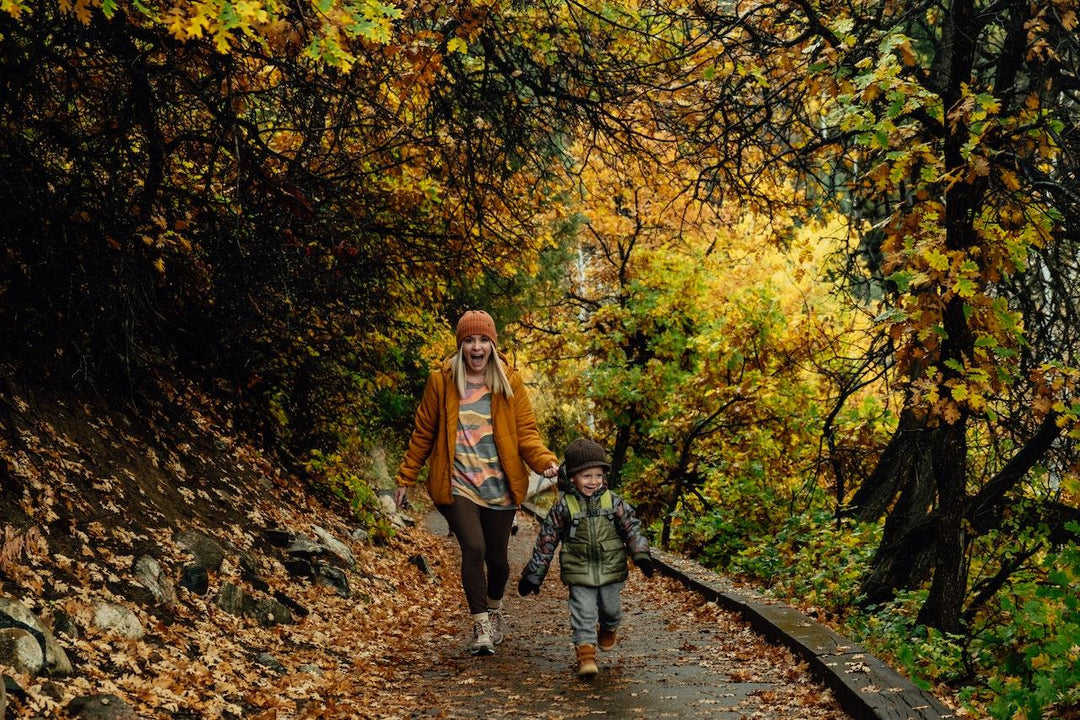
(401, 493)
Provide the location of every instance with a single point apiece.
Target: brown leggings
(483, 535)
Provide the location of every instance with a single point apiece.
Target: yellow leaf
(907, 55)
(936, 260)
(457, 45)
(15, 8)
(222, 41)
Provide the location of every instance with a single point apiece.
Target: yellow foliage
(15, 8)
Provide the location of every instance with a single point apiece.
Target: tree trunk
(902, 468)
(618, 454)
(904, 557)
(945, 601)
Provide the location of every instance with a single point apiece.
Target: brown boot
(605, 640)
(586, 661)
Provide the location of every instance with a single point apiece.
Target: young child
(597, 530)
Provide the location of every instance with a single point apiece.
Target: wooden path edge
(865, 686)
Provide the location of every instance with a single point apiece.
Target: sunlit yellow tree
(949, 130)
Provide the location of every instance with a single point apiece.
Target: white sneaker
(498, 625)
(482, 642)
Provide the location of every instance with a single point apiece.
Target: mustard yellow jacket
(434, 436)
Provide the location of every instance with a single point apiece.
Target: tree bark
(902, 464)
(945, 600)
(623, 436)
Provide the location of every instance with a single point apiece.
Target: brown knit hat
(476, 322)
(582, 454)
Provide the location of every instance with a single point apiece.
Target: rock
(278, 537)
(322, 573)
(379, 468)
(293, 606)
(65, 624)
(335, 546)
(149, 574)
(10, 691)
(304, 547)
(299, 567)
(310, 670)
(421, 562)
(360, 535)
(392, 511)
(15, 614)
(248, 565)
(195, 578)
(52, 690)
(118, 618)
(267, 660)
(330, 576)
(230, 598)
(21, 651)
(389, 507)
(208, 552)
(266, 611)
(101, 707)
(254, 580)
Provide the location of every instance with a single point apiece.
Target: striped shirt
(478, 475)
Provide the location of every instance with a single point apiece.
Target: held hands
(645, 565)
(400, 496)
(551, 470)
(525, 587)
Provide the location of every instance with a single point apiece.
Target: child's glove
(645, 565)
(525, 587)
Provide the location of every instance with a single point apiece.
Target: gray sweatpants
(592, 605)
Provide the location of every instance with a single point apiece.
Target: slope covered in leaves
(88, 488)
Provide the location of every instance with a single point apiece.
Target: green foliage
(714, 536)
(924, 654)
(1021, 660)
(341, 474)
(1030, 653)
(810, 558)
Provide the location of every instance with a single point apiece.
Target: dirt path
(677, 657)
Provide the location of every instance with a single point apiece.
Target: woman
(477, 430)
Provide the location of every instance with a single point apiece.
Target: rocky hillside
(155, 564)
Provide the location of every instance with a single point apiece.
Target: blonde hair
(494, 374)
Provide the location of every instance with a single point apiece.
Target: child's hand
(645, 565)
(525, 587)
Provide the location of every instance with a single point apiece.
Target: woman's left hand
(551, 470)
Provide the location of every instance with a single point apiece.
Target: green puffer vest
(592, 554)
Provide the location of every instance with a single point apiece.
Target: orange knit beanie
(476, 322)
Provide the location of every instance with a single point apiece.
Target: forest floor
(88, 486)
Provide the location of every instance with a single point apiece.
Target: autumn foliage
(808, 270)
